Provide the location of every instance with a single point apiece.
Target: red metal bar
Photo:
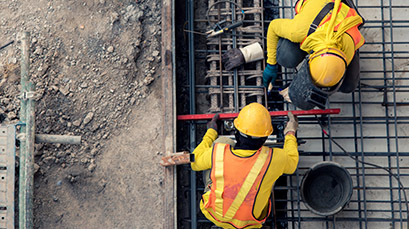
(272, 113)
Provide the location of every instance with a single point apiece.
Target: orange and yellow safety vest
(236, 181)
(344, 12)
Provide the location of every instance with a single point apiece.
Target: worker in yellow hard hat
(329, 40)
(239, 176)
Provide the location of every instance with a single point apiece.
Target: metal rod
(272, 113)
(27, 145)
(62, 139)
(220, 63)
(235, 75)
(4, 46)
(192, 107)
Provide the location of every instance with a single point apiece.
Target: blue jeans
(289, 54)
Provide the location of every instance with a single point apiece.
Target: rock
(92, 167)
(61, 154)
(11, 115)
(132, 101)
(94, 127)
(148, 80)
(38, 50)
(88, 118)
(110, 49)
(64, 91)
(114, 17)
(49, 159)
(12, 60)
(84, 85)
(130, 51)
(72, 178)
(77, 123)
(36, 168)
(94, 152)
(38, 147)
(155, 53)
(84, 160)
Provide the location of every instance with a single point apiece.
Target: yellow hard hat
(254, 120)
(327, 67)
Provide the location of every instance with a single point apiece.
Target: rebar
(373, 124)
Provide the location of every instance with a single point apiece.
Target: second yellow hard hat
(327, 67)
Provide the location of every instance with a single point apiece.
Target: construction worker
(332, 43)
(239, 177)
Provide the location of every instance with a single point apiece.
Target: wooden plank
(169, 112)
(177, 159)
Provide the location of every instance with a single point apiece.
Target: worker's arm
(291, 149)
(290, 144)
(203, 152)
(295, 29)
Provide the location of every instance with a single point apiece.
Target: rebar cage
(372, 127)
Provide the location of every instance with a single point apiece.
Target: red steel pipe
(272, 113)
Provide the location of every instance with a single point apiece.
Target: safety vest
(236, 181)
(343, 13)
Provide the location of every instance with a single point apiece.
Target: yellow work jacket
(296, 30)
(283, 161)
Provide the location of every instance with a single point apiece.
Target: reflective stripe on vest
(343, 13)
(253, 170)
(219, 172)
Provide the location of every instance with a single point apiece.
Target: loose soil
(96, 67)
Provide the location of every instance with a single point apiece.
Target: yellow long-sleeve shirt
(284, 161)
(296, 30)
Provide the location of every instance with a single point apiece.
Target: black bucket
(326, 188)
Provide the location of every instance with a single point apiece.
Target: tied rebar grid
(231, 90)
(373, 127)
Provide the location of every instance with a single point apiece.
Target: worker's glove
(292, 123)
(269, 74)
(284, 94)
(238, 56)
(213, 123)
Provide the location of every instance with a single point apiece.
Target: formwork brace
(28, 138)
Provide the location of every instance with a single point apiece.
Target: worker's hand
(284, 94)
(213, 123)
(269, 74)
(292, 124)
(236, 57)
(232, 59)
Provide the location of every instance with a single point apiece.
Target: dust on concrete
(96, 67)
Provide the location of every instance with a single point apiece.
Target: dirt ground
(96, 66)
